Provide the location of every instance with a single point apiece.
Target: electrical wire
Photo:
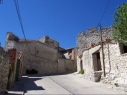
(104, 12)
(20, 20)
(99, 25)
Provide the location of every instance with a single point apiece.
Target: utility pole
(102, 50)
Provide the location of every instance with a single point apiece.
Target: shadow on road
(12, 94)
(26, 83)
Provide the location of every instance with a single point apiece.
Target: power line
(20, 20)
(104, 11)
(99, 25)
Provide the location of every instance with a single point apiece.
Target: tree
(120, 24)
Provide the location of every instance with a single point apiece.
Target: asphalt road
(58, 84)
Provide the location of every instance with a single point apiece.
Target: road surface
(58, 84)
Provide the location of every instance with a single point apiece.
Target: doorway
(97, 61)
(81, 65)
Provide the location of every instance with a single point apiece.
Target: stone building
(4, 70)
(70, 53)
(42, 55)
(90, 57)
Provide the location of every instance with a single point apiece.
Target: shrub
(116, 84)
(81, 72)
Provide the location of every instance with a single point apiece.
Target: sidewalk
(120, 89)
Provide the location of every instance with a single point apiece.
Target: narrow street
(57, 84)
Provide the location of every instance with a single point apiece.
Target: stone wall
(38, 55)
(87, 62)
(115, 64)
(49, 41)
(4, 70)
(66, 66)
(92, 36)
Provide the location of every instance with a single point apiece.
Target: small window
(123, 48)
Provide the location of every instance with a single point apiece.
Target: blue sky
(61, 20)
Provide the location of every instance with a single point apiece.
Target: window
(123, 48)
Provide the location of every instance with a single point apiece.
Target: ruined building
(43, 55)
(90, 57)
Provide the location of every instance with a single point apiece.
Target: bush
(81, 72)
(116, 84)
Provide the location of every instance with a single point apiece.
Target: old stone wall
(92, 36)
(89, 46)
(49, 41)
(66, 66)
(39, 55)
(115, 64)
(87, 62)
(4, 70)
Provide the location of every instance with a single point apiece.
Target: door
(81, 65)
(96, 61)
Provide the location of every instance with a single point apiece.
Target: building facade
(41, 55)
(95, 61)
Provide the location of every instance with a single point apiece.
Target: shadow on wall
(25, 84)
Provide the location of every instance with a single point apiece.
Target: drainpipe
(102, 51)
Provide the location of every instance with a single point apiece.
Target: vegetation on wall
(120, 24)
(81, 72)
(116, 84)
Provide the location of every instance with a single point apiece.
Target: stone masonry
(89, 48)
(41, 55)
(115, 64)
(4, 70)
(92, 36)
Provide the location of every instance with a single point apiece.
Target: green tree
(120, 24)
